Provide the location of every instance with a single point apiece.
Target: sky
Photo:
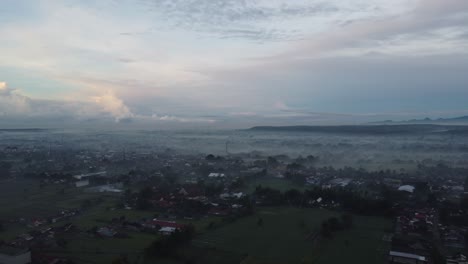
(230, 63)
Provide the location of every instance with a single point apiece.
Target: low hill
(461, 120)
(369, 129)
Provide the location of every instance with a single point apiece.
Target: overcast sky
(231, 63)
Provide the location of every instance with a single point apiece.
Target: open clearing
(283, 238)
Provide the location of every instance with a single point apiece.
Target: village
(106, 197)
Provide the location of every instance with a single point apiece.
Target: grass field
(24, 198)
(283, 238)
(362, 244)
(83, 248)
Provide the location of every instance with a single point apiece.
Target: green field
(83, 248)
(362, 244)
(25, 199)
(283, 238)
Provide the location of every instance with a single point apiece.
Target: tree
(121, 260)
(334, 224)
(169, 245)
(86, 204)
(347, 220)
(272, 162)
(210, 157)
(293, 166)
(260, 221)
(61, 242)
(5, 168)
(325, 230)
(143, 197)
(294, 197)
(238, 183)
(437, 256)
(312, 159)
(464, 202)
(211, 225)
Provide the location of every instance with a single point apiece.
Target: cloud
(280, 105)
(245, 58)
(241, 19)
(432, 26)
(14, 104)
(113, 105)
(11, 102)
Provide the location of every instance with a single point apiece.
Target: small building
(110, 188)
(88, 175)
(406, 188)
(81, 183)
(12, 255)
(406, 258)
(457, 259)
(167, 230)
(106, 232)
(391, 182)
(216, 175)
(155, 223)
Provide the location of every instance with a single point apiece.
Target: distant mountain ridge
(427, 120)
(383, 129)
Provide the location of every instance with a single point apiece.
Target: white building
(406, 258)
(81, 183)
(87, 175)
(406, 188)
(167, 230)
(216, 175)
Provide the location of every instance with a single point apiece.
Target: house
(216, 175)
(391, 182)
(111, 188)
(406, 188)
(453, 239)
(406, 258)
(231, 195)
(165, 226)
(106, 232)
(95, 174)
(457, 259)
(12, 255)
(81, 183)
(340, 182)
(165, 231)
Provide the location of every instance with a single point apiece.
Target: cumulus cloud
(15, 104)
(113, 105)
(11, 102)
